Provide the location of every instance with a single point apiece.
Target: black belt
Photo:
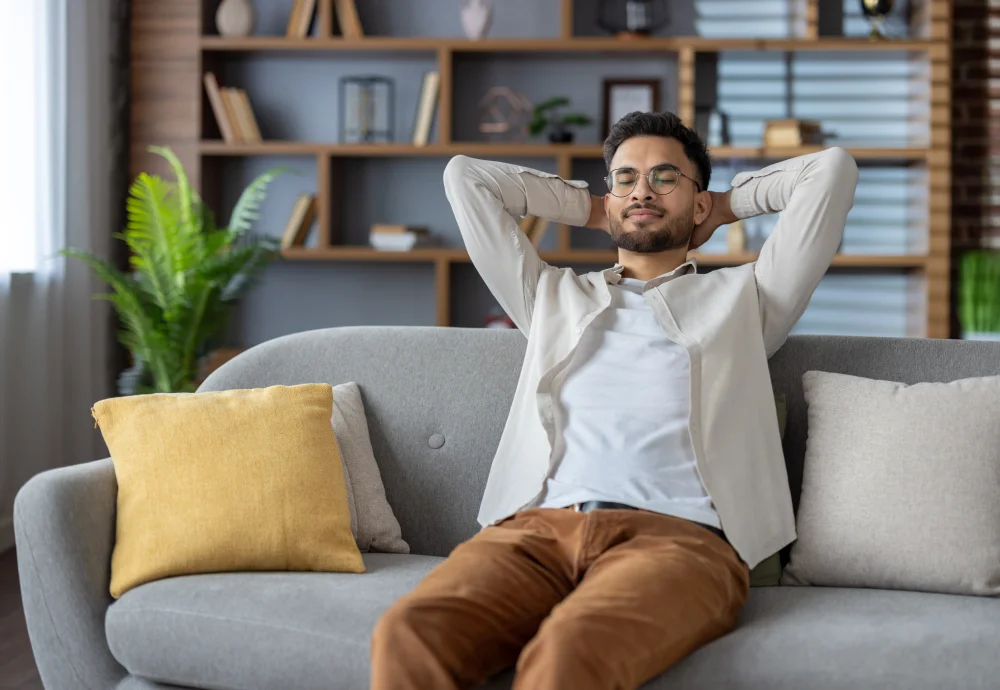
(588, 506)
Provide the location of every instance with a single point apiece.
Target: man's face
(644, 221)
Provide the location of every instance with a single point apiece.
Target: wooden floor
(17, 665)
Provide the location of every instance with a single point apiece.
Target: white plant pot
(980, 335)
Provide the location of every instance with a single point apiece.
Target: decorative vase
(980, 335)
(476, 18)
(235, 18)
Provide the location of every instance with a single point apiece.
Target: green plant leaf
(183, 186)
(577, 119)
(248, 205)
(554, 102)
(537, 124)
(151, 235)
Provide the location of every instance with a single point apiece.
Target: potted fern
(186, 276)
(549, 114)
(979, 295)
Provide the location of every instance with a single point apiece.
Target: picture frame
(623, 96)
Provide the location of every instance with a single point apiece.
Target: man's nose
(641, 191)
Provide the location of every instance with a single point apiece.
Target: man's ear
(702, 207)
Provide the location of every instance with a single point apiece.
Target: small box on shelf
(399, 238)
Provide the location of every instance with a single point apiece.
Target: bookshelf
(177, 50)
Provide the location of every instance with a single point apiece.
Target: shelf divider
(445, 69)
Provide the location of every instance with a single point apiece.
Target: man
(640, 475)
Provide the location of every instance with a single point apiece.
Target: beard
(658, 235)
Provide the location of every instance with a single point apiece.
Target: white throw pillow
(373, 523)
(901, 486)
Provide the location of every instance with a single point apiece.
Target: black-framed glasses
(662, 179)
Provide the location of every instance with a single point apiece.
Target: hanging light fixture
(629, 18)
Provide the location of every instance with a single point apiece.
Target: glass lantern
(366, 110)
(632, 17)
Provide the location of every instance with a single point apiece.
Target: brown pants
(606, 599)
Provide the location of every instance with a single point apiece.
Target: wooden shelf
(167, 72)
(555, 45)
(215, 147)
(577, 256)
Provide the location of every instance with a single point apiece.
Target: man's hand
(598, 218)
(720, 214)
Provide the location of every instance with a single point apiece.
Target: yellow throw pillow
(227, 481)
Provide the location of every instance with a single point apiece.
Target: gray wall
(868, 99)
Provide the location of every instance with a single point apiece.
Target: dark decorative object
(367, 107)
(624, 96)
(504, 115)
(876, 11)
(632, 18)
(548, 114)
(712, 125)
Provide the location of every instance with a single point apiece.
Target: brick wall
(975, 118)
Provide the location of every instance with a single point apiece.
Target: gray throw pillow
(373, 523)
(901, 486)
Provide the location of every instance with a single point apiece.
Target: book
(219, 108)
(248, 117)
(299, 221)
(229, 100)
(301, 19)
(347, 18)
(425, 108)
(293, 19)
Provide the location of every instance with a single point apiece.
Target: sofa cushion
(260, 630)
(312, 630)
(806, 638)
(373, 524)
(901, 486)
(228, 481)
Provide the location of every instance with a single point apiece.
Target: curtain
(56, 351)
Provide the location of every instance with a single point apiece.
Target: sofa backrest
(437, 400)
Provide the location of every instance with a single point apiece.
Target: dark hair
(639, 124)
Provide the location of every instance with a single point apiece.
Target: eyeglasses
(662, 179)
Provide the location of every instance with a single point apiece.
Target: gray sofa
(311, 630)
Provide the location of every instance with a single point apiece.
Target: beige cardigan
(730, 321)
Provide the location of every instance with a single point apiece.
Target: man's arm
(814, 194)
(485, 197)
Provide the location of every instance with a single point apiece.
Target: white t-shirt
(635, 449)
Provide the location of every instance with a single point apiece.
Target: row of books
(304, 11)
(233, 112)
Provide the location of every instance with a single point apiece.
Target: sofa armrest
(64, 529)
